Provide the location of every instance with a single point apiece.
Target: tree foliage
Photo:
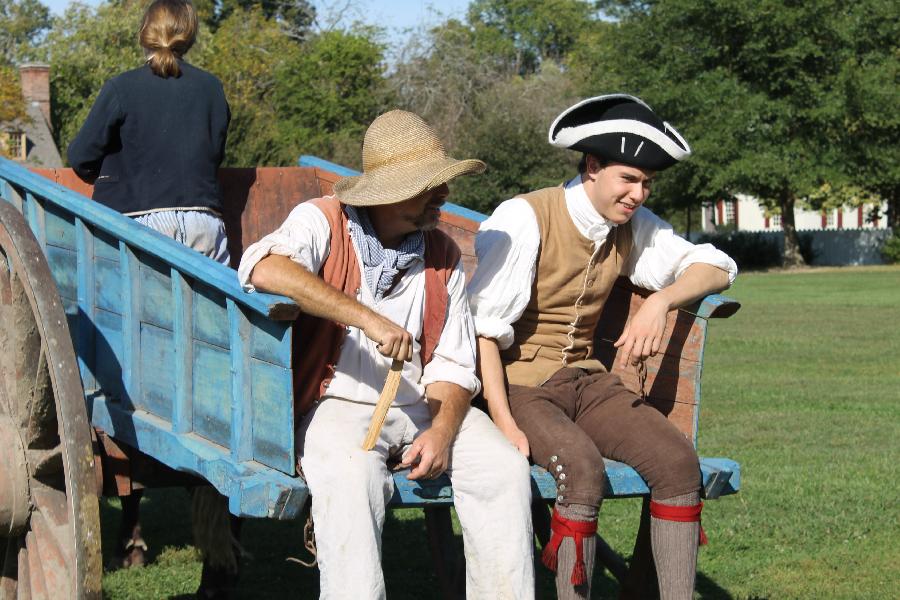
(795, 103)
(86, 47)
(248, 74)
(754, 84)
(22, 23)
(329, 93)
(528, 33)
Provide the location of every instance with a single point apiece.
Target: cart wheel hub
(15, 504)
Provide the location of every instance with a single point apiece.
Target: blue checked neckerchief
(382, 264)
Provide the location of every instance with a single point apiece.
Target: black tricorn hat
(619, 128)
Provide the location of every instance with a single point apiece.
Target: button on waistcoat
(572, 280)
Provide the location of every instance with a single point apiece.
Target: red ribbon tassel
(577, 530)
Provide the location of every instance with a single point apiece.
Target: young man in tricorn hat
(547, 261)
(376, 281)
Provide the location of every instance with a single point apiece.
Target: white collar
(587, 220)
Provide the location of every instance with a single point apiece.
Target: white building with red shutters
(846, 236)
(746, 214)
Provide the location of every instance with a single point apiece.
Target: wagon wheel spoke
(23, 587)
(33, 398)
(50, 556)
(39, 589)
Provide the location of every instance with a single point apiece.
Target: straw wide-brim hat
(402, 157)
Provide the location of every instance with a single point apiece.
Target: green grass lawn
(801, 386)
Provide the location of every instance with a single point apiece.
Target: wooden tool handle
(388, 393)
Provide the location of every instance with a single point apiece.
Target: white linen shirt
(507, 246)
(305, 238)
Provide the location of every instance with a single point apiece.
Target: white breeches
(350, 489)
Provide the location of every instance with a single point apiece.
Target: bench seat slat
(721, 477)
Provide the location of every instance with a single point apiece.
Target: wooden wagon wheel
(49, 521)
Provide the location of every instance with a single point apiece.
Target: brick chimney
(36, 87)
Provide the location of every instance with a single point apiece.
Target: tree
(245, 53)
(86, 47)
(870, 81)
(22, 23)
(529, 33)
(294, 16)
(329, 92)
(440, 75)
(507, 129)
(753, 85)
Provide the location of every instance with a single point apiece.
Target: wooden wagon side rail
(176, 359)
(40, 190)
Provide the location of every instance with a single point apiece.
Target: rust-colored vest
(317, 342)
(571, 283)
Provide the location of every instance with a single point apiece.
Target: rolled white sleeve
(659, 256)
(304, 237)
(454, 357)
(506, 246)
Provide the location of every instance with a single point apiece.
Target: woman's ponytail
(168, 31)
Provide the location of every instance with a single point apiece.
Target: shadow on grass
(409, 574)
(707, 589)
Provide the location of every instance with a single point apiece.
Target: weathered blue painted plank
(84, 331)
(188, 261)
(129, 270)
(211, 410)
(106, 246)
(253, 490)
(34, 215)
(621, 482)
(64, 266)
(107, 285)
(241, 398)
(156, 292)
(9, 193)
(714, 306)
(107, 352)
(270, 340)
(721, 476)
(182, 322)
(59, 227)
(210, 316)
(157, 371)
(273, 415)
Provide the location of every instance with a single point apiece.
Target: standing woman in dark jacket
(155, 137)
(151, 146)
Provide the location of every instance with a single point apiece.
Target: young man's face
(616, 190)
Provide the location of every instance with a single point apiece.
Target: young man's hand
(515, 436)
(643, 334)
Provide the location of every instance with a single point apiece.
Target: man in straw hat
(546, 262)
(377, 281)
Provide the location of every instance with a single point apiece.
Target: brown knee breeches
(576, 418)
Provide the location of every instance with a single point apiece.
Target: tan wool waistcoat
(571, 283)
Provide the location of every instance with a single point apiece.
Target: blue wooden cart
(107, 323)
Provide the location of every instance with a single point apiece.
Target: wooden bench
(257, 202)
(672, 385)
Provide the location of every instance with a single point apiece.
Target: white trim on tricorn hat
(619, 128)
(402, 157)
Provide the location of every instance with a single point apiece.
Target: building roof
(41, 150)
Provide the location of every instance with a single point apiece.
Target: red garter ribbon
(563, 528)
(683, 514)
